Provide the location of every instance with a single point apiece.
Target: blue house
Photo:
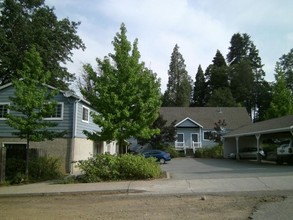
(195, 124)
(72, 115)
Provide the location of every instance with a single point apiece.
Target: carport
(253, 135)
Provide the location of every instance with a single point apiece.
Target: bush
(40, 169)
(102, 167)
(172, 151)
(105, 167)
(44, 168)
(13, 168)
(214, 152)
(137, 167)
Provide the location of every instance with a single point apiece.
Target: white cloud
(198, 27)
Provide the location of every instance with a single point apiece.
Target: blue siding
(5, 130)
(187, 134)
(81, 125)
(64, 124)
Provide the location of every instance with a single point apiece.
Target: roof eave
(260, 132)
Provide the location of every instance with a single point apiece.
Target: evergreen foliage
(286, 63)
(200, 89)
(246, 73)
(179, 87)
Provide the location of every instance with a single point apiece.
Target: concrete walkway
(163, 186)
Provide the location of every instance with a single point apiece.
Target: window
(58, 113)
(180, 140)
(85, 114)
(208, 135)
(3, 110)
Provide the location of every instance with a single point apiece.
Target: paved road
(199, 168)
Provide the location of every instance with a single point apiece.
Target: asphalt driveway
(200, 168)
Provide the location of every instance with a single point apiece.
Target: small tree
(124, 92)
(166, 136)
(32, 103)
(219, 131)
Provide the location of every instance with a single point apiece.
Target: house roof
(65, 93)
(188, 119)
(235, 117)
(275, 125)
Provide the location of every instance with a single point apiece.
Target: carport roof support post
(257, 146)
(237, 147)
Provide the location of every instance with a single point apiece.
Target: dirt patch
(95, 206)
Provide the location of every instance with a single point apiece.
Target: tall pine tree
(246, 73)
(199, 90)
(179, 87)
(217, 81)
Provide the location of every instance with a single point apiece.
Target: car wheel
(162, 161)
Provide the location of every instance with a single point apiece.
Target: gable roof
(188, 119)
(66, 94)
(235, 117)
(275, 125)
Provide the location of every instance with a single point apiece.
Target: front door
(194, 140)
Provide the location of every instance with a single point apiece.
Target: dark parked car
(161, 156)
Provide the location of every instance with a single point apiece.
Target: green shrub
(102, 167)
(137, 167)
(172, 151)
(105, 167)
(213, 152)
(13, 167)
(44, 168)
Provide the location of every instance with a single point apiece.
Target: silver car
(248, 153)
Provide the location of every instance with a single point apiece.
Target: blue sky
(199, 27)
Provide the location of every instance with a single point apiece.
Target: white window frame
(88, 114)
(180, 144)
(62, 111)
(8, 110)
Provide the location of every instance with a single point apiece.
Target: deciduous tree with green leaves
(32, 102)
(179, 87)
(282, 97)
(286, 63)
(124, 92)
(24, 23)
